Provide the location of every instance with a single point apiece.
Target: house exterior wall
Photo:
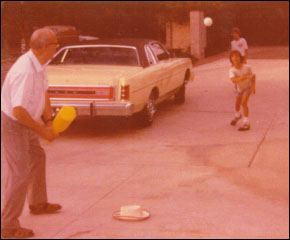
(188, 37)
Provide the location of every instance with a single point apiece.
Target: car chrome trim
(93, 108)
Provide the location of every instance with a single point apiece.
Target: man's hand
(25, 119)
(49, 123)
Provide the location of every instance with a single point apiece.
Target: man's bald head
(41, 37)
(43, 44)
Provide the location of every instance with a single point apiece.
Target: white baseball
(207, 21)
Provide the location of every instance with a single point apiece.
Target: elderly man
(25, 107)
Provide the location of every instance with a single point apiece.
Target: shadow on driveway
(84, 127)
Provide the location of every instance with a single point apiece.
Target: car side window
(150, 56)
(58, 58)
(159, 51)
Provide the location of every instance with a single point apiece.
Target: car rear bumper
(92, 109)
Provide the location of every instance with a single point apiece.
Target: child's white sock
(246, 120)
(237, 114)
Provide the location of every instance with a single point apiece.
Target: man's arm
(25, 119)
(47, 113)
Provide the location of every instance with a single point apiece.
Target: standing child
(239, 44)
(241, 74)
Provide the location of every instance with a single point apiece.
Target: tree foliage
(262, 23)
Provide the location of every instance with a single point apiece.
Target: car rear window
(126, 56)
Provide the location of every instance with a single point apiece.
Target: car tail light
(125, 92)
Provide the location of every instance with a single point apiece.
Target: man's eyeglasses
(56, 44)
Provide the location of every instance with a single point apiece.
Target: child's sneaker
(245, 127)
(235, 120)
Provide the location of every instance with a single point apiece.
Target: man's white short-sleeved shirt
(240, 45)
(25, 86)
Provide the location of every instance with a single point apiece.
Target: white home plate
(118, 216)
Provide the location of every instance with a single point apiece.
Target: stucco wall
(178, 36)
(189, 37)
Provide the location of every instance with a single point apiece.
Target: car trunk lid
(86, 81)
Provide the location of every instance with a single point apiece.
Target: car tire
(179, 97)
(147, 115)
